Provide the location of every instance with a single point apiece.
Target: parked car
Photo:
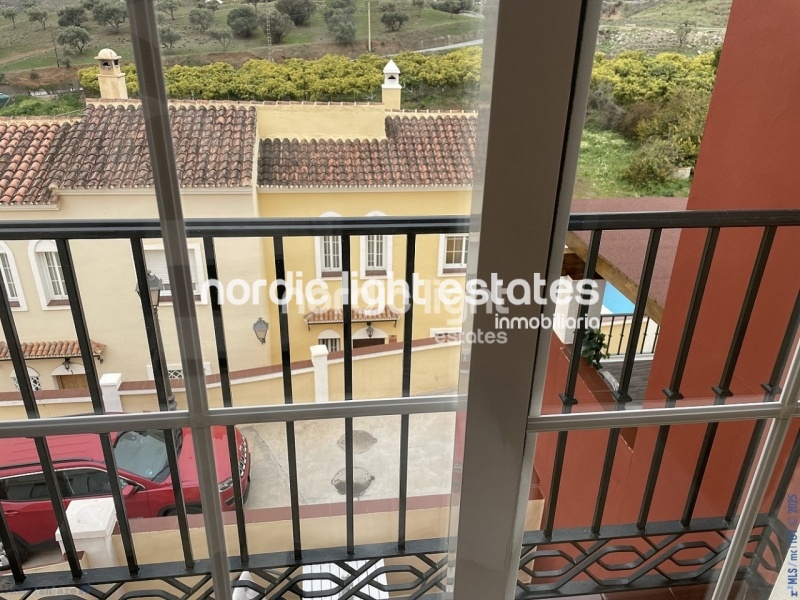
(141, 459)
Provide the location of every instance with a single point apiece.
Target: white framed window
(376, 252)
(48, 274)
(453, 254)
(156, 261)
(36, 381)
(329, 252)
(331, 340)
(11, 280)
(175, 371)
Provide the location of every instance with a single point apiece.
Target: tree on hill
(222, 35)
(168, 36)
(343, 28)
(338, 7)
(299, 11)
(209, 4)
(393, 16)
(682, 32)
(201, 17)
(71, 16)
(38, 14)
(169, 7)
(243, 21)
(279, 24)
(255, 3)
(74, 37)
(418, 4)
(10, 14)
(113, 15)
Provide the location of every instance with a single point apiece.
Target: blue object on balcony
(615, 302)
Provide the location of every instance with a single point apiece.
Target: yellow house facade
(236, 160)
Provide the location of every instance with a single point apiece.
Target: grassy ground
(28, 46)
(603, 156)
(660, 13)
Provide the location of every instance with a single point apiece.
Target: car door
(27, 508)
(92, 482)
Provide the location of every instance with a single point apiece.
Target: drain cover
(362, 479)
(362, 441)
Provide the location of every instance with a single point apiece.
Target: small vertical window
(331, 254)
(331, 340)
(156, 262)
(9, 278)
(376, 254)
(455, 253)
(49, 274)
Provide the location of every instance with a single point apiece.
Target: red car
(78, 459)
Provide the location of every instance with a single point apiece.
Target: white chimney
(391, 90)
(111, 78)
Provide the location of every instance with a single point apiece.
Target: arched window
(36, 381)
(48, 274)
(11, 282)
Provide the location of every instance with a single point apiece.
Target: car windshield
(142, 453)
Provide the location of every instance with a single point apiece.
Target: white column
(109, 384)
(319, 358)
(92, 522)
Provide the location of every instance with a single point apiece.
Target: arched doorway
(69, 376)
(369, 336)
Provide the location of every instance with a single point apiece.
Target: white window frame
(9, 272)
(444, 269)
(33, 375)
(50, 298)
(198, 273)
(384, 271)
(319, 247)
(174, 368)
(328, 337)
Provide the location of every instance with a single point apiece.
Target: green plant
(39, 15)
(243, 21)
(74, 37)
(393, 15)
(168, 36)
(594, 347)
(222, 35)
(201, 17)
(652, 165)
(10, 14)
(279, 24)
(71, 16)
(299, 11)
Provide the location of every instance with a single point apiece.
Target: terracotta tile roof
(57, 349)
(417, 152)
(359, 315)
(107, 148)
(26, 149)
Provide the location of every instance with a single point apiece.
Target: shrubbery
(327, 78)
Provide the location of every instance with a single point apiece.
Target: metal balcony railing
(619, 327)
(417, 567)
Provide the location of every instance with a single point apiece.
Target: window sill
(331, 275)
(375, 273)
(454, 271)
(58, 302)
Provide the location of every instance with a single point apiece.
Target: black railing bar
(161, 378)
(347, 326)
(96, 394)
(652, 476)
(786, 477)
(267, 227)
(631, 531)
(271, 413)
(225, 386)
(742, 323)
(10, 549)
(273, 560)
(763, 473)
(605, 476)
(684, 219)
(771, 389)
(218, 228)
(638, 315)
(653, 417)
(408, 333)
(785, 349)
(555, 486)
(580, 331)
(747, 465)
(621, 334)
(288, 393)
(14, 346)
(700, 467)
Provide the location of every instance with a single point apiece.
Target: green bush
(652, 165)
